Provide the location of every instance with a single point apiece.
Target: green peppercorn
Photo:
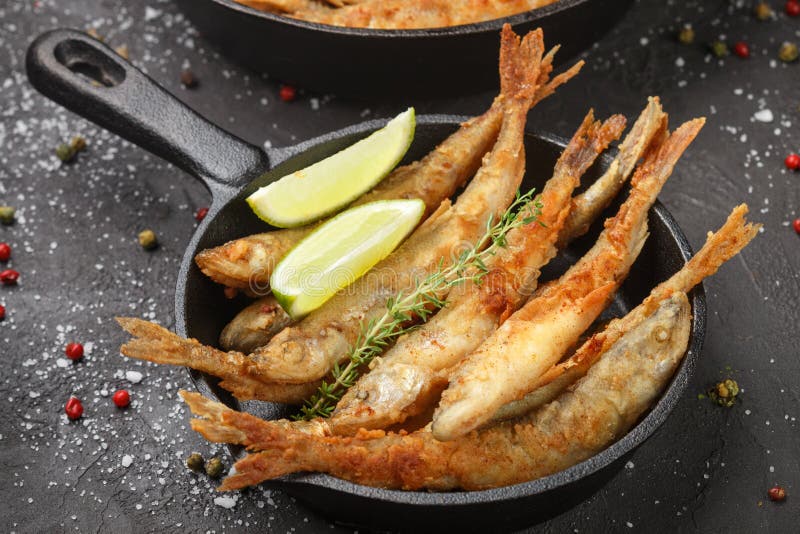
(148, 239)
(762, 11)
(78, 144)
(719, 49)
(686, 35)
(195, 462)
(7, 215)
(214, 467)
(65, 153)
(725, 392)
(788, 52)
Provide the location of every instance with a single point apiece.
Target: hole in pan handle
(89, 78)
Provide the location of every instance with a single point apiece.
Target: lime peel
(327, 186)
(340, 251)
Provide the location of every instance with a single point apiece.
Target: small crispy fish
(509, 363)
(409, 376)
(599, 409)
(247, 263)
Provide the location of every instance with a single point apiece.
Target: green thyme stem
(420, 303)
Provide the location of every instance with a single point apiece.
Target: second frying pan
(374, 63)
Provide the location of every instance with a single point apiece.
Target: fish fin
(258, 467)
(720, 246)
(591, 138)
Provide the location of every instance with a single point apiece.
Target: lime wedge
(328, 185)
(340, 251)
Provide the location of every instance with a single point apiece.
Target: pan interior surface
(207, 310)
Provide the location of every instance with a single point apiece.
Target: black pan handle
(89, 78)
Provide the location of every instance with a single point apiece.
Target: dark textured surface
(706, 469)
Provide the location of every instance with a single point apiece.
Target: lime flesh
(328, 185)
(340, 251)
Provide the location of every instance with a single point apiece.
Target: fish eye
(661, 334)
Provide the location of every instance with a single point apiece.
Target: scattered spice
(78, 143)
(2, 312)
(719, 49)
(686, 35)
(742, 49)
(67, 152)
(9, 277)
(792, 162)
(195, 462)
(7, 215)
(762, 11)
(214, 467)
(93, 33)
(74, 408)
(287, 93)
(725, 392)
(201, 214)
(5, 252)
(74, 351)
(187, 79)
(121, 398)
(777, 493)
(122, 50)
(788, 52)
(148, 239)
(796, 225)
(792, 8)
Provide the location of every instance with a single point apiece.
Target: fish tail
(720, 246)
(591, 138)
(154, 343)
(520, 63)
(258, 467)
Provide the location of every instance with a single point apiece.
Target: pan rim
(493, 25)
(627, 443)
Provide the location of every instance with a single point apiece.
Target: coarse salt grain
(764, 115)
(133, 377)
(127, 460)
(225, 501)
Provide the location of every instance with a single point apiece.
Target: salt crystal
(764, 115)
(225, 501)
(127, 460)
(133, 376)
(150, 13)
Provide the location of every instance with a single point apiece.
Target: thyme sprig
(417, 305)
